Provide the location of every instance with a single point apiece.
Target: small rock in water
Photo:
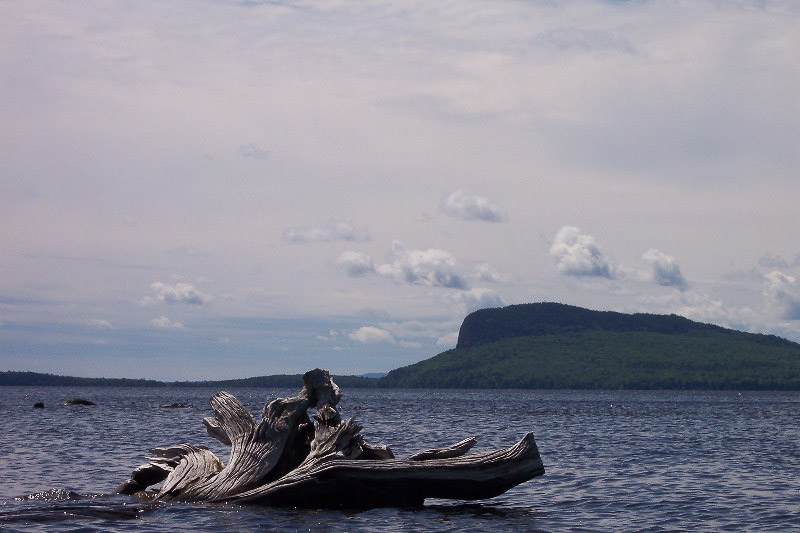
(79, 401)
(176, 405)
(38, 405)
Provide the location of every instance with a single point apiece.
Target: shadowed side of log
(397, 482)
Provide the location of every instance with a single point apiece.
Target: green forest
(551, 345)
(610, 360)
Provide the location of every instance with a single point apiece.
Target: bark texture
(287, 459)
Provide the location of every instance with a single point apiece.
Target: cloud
(744, 275)
(580, 40)
(577, 254)
(372, 335)
(165, 323)
(332, 335)
(467, 205)
(100, 324)
(432, 267)
(776, 261)
(782, 295)
(188, 251)
(702, 307)
(772, 261)
(475, 299)
(486, 272)
(420, 329)
(252, 151)
(180, 293)
(355, 263)
(666, 271)
(448, 341)
(410, 344)
(333, 231)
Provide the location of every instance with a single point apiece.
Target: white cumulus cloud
(165, 323)
(486, 272)
(432, 267)
(467, 205)
(371, 335)
(666, 271)
(702, 307)
(179, 293)
(331, 335)
(477, 298)
(577, 254)
(782, 295)
(355, 263)
(333, 231)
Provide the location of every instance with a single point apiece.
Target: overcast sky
(219, 189)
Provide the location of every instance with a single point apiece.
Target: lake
(615, 460)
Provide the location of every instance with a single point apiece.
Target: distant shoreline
(36, 379)
(552, 346)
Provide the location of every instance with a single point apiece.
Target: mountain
(550, 345)
(489, 325)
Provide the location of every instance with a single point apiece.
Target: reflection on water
(615, 460)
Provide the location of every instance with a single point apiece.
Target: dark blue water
(615, 460)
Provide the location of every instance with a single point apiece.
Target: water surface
(621, 460)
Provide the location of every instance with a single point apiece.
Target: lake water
(619, 460)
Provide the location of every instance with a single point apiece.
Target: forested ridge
(550, 345)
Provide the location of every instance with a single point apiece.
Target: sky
(222, 189)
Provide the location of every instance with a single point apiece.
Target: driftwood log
(287, 460)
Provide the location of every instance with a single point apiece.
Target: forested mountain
(489, 325)
(549, 345)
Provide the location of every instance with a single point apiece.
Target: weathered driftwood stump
(288, 460)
